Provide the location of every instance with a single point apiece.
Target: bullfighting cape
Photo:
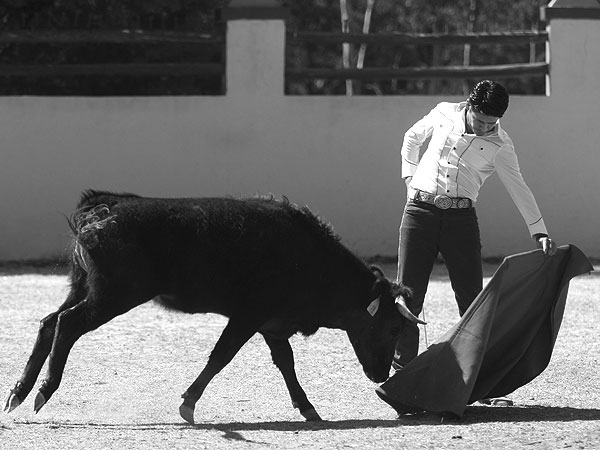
(503, 341)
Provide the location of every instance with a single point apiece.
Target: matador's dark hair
(489, 98)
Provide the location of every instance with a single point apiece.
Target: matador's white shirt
(457, 164)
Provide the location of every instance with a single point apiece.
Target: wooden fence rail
(504, 38)
(113, 69)
(65, 37)
(126, 37)
(429, 73)
(294, 37)
(532, 69)
(109, 37)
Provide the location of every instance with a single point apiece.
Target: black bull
(267, 265)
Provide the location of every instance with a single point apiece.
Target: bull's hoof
(12, 402)
(39, 402)
(187, 413)
(311, 415)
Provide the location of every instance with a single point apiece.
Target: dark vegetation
(176, 47)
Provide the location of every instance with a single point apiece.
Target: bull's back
(214, 227)
(218, 245)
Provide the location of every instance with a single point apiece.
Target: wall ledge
(571, 9)
(254, 13)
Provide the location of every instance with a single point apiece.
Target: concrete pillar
(574, 47)
(255, 62)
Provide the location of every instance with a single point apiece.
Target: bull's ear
(374, 306)
(377, 271)
(376, 290)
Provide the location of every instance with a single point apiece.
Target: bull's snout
(378, 377)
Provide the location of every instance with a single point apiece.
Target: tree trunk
(345, 45)
(473, 11)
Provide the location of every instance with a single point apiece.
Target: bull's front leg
(283, 358)
(237, 332)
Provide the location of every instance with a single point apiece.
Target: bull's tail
(85, 224)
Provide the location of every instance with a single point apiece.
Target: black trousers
(425, 232)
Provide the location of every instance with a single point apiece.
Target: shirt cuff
(538, 228)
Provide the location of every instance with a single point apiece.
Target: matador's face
(480, 123)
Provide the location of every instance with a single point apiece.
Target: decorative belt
(442, 201)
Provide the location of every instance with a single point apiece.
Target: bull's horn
(401, 304)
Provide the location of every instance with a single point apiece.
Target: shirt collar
(463, 121)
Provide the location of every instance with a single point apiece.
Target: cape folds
(503, 341)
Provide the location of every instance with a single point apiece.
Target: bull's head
(377, 327)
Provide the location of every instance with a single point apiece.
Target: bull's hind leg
(41, 348)
(237, 332)
(283, 358)
(71, 325)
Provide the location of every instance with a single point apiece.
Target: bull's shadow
(473, 415)
(233, 431)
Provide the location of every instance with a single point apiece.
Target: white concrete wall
(338, 155)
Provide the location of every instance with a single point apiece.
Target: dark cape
(503, 341)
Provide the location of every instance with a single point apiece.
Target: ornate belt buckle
(463, 203)
(442, 201)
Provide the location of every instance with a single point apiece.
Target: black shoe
(497, 401)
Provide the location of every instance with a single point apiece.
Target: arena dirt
(123, 381)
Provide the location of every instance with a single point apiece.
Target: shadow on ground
(473, 414)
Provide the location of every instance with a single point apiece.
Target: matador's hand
(547, 245)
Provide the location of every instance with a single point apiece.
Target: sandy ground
(123, 382)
